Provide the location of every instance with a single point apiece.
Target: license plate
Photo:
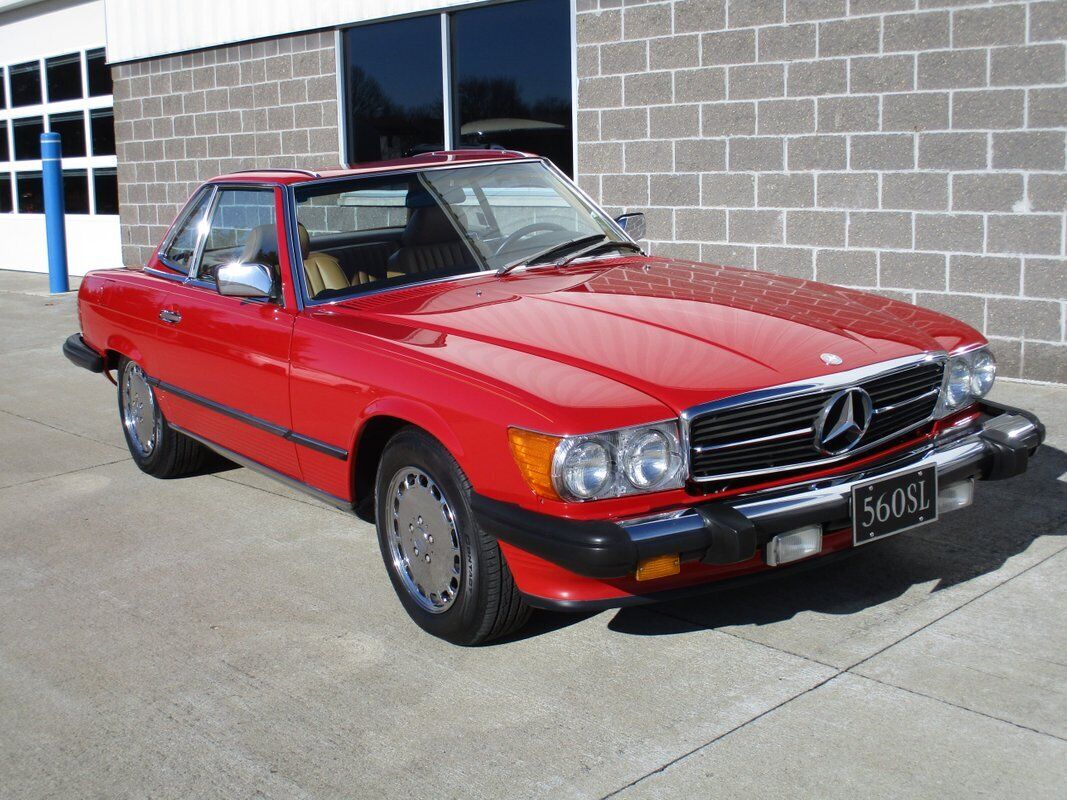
(893, 504)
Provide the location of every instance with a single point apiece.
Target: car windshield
(379, 231)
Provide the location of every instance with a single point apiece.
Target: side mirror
(245, 280)
(633, 224)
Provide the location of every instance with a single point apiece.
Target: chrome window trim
(191, 204)
(838, 380)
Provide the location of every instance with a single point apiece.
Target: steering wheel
(524, 231)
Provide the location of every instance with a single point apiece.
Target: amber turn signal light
(658, 567)
(533, 453)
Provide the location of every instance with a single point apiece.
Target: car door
(227, 377)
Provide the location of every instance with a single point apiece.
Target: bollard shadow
(1005, 519)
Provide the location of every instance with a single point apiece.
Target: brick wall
(183, 119)
(912, 147)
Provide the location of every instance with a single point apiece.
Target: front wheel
(450, 576)
(157, 449)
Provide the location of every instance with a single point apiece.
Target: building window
(27, 138)
(75, 102)
(393, 87)
(30, 191)
(5, 194)
(75, 191)
(511, 77)
(99, 73)
(106, 190)
(509, 84)
(25, 84)
(71, 130)
(64, 77)
(102, 121)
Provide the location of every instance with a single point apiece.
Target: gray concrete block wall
(183, 119)
(915, 148)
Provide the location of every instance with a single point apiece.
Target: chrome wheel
(139, 410)
(423, 540)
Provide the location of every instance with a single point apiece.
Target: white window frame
(46, 109)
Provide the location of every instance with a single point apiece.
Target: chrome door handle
(173, 317)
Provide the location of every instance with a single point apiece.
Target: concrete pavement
(223, 636)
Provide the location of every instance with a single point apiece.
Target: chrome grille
(767, 435)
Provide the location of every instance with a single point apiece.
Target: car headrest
(428, 226)
(261, 247)
(305, 239)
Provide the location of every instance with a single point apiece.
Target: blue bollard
(54, 221)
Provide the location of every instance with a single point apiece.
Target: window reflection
(5, 194)
(99, 73)
(393, 89)
(512, 78)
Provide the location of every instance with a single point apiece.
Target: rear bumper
(997, 446)
(78, 352)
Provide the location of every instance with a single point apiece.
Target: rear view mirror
(634, 225)
(245, 280)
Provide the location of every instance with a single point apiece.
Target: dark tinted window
(182, 248)
(28, 138)
(99, 73)
(512, 78)
(30, 192)
(106, 189)
(3, 91)
(393, 89)
(25, 84)
(4, 154)
(75, 191)
(103, 125)
(64, 74)
(5, 193)
(71, 130)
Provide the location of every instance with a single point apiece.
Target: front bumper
(998, 445)
(81, 354)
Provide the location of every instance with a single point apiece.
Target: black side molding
(80, 354)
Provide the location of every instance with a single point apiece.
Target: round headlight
(983, 373)
(647, 459)
(586, 469)
(959, 382)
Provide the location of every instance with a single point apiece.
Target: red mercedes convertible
(467, 350)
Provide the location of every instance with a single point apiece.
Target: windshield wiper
(600, 246)
(542, 254)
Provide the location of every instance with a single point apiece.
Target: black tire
(486, 605)
(173, 454)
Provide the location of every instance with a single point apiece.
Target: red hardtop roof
(437, 158)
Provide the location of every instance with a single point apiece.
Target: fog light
(955, 495)
(658, 567)
(792, 546)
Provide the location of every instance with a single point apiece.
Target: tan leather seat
(323, 270)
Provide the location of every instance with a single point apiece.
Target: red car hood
(681, 332)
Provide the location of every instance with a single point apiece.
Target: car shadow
(1005, 519)
(1007, 516)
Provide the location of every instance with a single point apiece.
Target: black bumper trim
(731, 531)
(81, 354)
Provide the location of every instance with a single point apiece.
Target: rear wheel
(156, 448)
(450, 576)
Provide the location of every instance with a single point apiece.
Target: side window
(242, 229)
(181, 251)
